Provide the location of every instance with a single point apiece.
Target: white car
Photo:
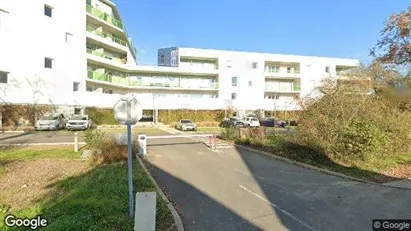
(251, 122)
(53, 121)
(185, 125)
(78, 122)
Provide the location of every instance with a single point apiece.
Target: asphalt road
(39, 137)
(235, 189)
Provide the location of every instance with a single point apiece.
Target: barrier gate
(142, 140)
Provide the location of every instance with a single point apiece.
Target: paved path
(232, 189)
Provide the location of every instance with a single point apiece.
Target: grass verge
(92, 200)
(379, 170)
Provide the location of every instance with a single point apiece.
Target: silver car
(53, 122)
(185, 125)
(78, 122)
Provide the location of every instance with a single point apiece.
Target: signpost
(128, 111)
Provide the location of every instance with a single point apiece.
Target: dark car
(232, 122)
(272, 122)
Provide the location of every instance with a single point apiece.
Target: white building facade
(77, 53)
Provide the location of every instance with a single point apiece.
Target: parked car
(78, 122)
(185, 125)
(251, 122)
(273, 122)
(54, 121)
(232, 122)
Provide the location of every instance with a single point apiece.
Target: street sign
(120, 110)
(128, 111)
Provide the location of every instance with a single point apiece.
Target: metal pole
(75, 142)
(130, 163)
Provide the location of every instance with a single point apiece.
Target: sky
(331, 28)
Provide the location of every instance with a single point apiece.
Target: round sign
(128, 109)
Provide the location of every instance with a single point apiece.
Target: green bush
(230, 133)
(101, 116)
(13, 114)
(353, 127)
(94, 139)
(170, 116)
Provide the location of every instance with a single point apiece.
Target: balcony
(291, 88)
(105, 35)
(282, 70)
(104, 16)
(114, 57)
(133, 81)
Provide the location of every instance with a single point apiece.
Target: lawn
(69, 192)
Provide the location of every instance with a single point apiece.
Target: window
(77, 111)
(4, 20)
(327, 69)
(162, 59)
(76, 86)
(68, 37)
(48, 63)
(274, 69)
(3, 77)
(233, 95)
(234, 81)
(48, 11)
(250, 83)
(289, 70)
(255, 65)
(228, 63)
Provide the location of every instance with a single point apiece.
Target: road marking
(276, 206)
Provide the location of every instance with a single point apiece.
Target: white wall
(32, 37)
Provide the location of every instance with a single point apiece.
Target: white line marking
(276, 206)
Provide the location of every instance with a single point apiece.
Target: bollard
(215, 141)
(76, 142)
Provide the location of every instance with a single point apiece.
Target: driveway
(235, 189)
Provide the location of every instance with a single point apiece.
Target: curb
(18, 132)
(307, 166)
(41, 144)
(177, 218)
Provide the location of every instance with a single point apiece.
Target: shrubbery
(12, 115)
(94, 138)
(354, 127)
(101, 116)
(206, 116)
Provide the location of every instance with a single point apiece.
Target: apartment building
(78, 53)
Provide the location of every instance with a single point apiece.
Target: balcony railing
(106, 55)
(126, 81)
(106, 35)
(104, 16)
(140, 83)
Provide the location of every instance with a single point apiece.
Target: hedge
(19, 114)
(101, 116)
(170, 116)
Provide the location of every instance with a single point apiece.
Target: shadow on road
(7, 137)
(198, 210)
